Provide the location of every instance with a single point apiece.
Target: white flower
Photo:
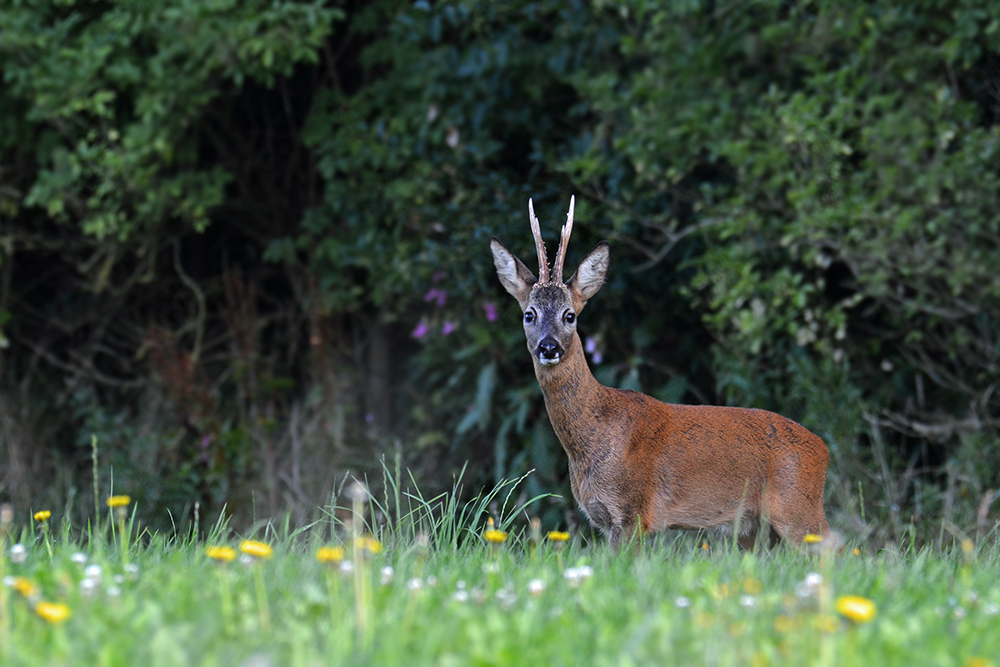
(748, 601)
(18, 553)
(682, 602)
(536, 587)
(388, 574)
(93, 572)
(79, 557)
(346, 567)
(461, 595)
(415, 584)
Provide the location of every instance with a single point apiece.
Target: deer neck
(572, 397)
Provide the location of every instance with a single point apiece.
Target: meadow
(441, 585)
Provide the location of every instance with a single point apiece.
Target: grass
(448, 597)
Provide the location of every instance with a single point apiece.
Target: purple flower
(420, 331)
(590, 346)
(437, 277)
(491, 311)
(447, 328)
(438, 295)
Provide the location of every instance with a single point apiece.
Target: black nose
(549, 349)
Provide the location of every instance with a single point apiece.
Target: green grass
(458, 601)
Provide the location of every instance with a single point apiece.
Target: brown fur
(637, 462)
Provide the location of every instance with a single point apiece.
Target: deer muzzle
(549, 351)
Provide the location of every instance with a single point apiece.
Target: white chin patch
(550, 362)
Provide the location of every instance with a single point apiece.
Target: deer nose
(549, 350)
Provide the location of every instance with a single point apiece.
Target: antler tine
(567, 229)
(543, 261)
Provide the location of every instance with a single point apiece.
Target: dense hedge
(245, 244)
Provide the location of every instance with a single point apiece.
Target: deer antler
(543, 261)
(567, 229)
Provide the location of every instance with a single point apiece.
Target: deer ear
(589, 277)
(516, 278)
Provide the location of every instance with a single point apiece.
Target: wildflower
(447, 328)
(43, 516)
(536, 587)
(415, 584)
(977, 661)
(557, 536)
(369, 544)
(855, 608)
(18, 553)
(826, 623)
(460, 595)
(812, 539)
(21, 585)
(751, 585)
(223, 554)
(857, 551)
(577, 575)
(330, 555)
(53, 612)
(78, 557)
(439, 296)
(115, 502)
(785, 624)
(256, 549)
(491, 311)
(388, 574)
(88, 586)
(132, 570)
(346, 568)
(682, 602)
(93, 572)
(420, 331)
(492, 535)
(748, 601)
(358, 492)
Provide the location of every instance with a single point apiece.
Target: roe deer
(637, 462)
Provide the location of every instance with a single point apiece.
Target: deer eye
(570, 317)
(529, 317)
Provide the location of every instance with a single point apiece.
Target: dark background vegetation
(245, 244)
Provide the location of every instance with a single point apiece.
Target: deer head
(551, 306)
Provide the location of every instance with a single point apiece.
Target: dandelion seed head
(119, 578)
(460, 595)
(88, 586)
(748, 601)
(93, 571)
(18, 553)
(415, 584)
(682, 602)
(814, 579)
(536, 587)
(346, 567)
(78, 557)
(388, 574)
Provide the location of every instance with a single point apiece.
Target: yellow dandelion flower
(119, 501)
(53, 612)
(752, 586)
(330, 555)
(857, 551)
(855, 608)
(221, 553)
(785, 624)
(43, 516)
(369, 544)
(810, 538)
(704, 546)
(826, 623)
(977, 661)
(256, 549)
(494, 536)
(23, 586)
(557, 536)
